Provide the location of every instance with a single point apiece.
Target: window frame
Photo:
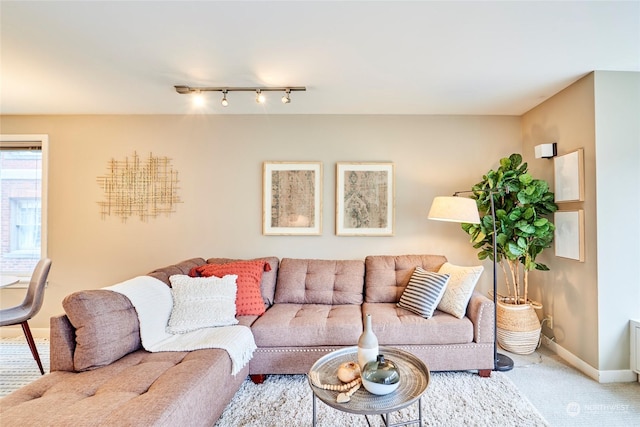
(26, 141)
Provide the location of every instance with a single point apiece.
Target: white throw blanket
(153, 302)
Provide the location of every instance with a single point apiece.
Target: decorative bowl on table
(380, 376)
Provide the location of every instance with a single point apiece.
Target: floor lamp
(465, 210)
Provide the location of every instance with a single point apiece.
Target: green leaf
(515, 159)
(525, 179)
(541, 222)
(514, 249)
(522, 243)
(529, 213)
(525, 227)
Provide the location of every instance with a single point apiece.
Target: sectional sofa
(101, 374)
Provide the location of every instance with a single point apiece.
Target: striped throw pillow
(423, 292)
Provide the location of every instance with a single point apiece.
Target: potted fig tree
(522, 232)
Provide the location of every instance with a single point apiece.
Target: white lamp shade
(454, 209)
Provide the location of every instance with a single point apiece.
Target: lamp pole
(502, 362)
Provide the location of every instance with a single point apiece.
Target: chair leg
(32, 345)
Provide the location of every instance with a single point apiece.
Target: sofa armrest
(480, 312)
(63, 343)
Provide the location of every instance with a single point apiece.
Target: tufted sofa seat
(140, 389)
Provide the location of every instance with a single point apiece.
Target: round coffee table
(414, 379)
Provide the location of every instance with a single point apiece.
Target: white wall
(219, 160)
(617, 102)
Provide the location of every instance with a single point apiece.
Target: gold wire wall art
(135, 187)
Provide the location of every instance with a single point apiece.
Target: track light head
(260, 99)
(286, 98)
(198, 99)
(224, 101)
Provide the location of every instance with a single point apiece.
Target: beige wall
(219, 160)
(569, 291)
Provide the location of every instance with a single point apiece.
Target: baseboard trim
(610, 376)
(16, 331)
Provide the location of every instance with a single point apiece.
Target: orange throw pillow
(248, 299)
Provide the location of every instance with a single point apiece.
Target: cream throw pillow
(462, 282)
(202, 302)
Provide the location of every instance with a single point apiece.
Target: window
(23, 161)
(25, 227)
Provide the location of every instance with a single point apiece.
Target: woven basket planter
(518, 327)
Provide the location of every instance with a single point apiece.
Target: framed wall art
(569, 177)
(292, 198)
(569, 234)
(365, 199)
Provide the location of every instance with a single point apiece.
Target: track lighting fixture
(224, 101)
(260, 96)
(287, 96)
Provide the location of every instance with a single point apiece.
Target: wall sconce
(260, 97)
(546, 151)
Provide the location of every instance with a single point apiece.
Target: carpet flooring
(17, 366)
(568, 398)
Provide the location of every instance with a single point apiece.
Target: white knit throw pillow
(202, 302)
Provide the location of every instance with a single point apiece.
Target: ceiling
(355, 57)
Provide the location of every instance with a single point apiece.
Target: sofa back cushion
(106, 327)
(268, 281)
(388, 275)
(183, 267)
(312, 281)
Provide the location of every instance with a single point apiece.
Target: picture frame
(569, 234)
(569, 177)
(365, 199)
(292, 198)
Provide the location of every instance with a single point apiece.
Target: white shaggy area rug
(452, 399)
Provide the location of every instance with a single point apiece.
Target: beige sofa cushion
(300, 325)
(183, 267)
(106, 327)
(396, 326)
(312, 281)
(388, 275)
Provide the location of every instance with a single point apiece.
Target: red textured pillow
(248, 299)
